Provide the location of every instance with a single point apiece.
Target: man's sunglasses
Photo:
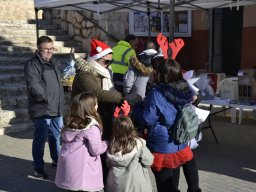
(107, 62)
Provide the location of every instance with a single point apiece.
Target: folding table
(217, 101)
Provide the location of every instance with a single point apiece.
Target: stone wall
(82, 26)
(17, 10)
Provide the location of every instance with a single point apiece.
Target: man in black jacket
(45, 103)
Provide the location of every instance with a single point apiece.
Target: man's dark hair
(43, 39)
(130, 37)
(151, 44)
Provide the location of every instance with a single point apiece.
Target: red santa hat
(99, 49)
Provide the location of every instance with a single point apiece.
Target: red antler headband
(163, 43)
(125, 110)
(176, 45)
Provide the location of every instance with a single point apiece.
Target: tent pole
(209, 67)
(148, 14)
(171, 25)
(37, 32)
(171, 21)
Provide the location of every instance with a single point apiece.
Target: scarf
(107, 83)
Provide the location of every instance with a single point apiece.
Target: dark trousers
(107, 131)
(167, 180)
(104, 167)
(191, 174)
(118, 82)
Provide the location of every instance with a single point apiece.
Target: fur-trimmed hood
(177, 93)
(97, 70)
(129, 172)
(144, 70)
(85, 65)
(124, 160)
(70, 134)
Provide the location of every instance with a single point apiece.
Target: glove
(133, 99)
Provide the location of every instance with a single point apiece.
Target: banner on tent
(159, 22)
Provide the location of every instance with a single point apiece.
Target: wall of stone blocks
(17, 10)
(82, 26)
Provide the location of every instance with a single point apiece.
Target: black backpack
(185, 126)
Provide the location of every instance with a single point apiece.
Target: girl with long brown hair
(128, 158)
(79, 164)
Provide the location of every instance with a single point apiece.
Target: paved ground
(229, 166)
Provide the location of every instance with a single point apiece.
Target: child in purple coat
(79, 164)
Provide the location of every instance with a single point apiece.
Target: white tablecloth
(226, 102)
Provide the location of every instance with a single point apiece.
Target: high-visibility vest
(121, 55)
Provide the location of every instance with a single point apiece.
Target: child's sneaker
(40, 173)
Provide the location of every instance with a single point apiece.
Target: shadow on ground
(22, 135)
(230, 161)
(234, 155)
(17, 176)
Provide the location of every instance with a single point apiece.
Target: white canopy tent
(105, 6)
(147, 6)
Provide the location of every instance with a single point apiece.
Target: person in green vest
(121, 55)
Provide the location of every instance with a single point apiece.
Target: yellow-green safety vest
(121, 55)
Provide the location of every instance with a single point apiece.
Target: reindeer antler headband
(123, 110)
(176, 45)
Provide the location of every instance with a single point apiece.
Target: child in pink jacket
(79, 164)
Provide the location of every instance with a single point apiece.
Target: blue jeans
(46, 127)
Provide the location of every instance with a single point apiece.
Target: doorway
(231, 37)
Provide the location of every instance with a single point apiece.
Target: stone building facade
(82, 26)
(17, 10)
(85, 25)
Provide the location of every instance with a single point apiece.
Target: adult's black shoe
(40, 173)
(54, 165)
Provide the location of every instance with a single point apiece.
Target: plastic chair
(233, 110)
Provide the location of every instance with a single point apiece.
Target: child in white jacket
(128, 158)
(136, 78)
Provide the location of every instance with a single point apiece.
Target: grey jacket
(129, 172)
(44, 87)
(136, 78)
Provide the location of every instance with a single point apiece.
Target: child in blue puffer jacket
(158, 115)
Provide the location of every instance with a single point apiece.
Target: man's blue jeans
(50, 127)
